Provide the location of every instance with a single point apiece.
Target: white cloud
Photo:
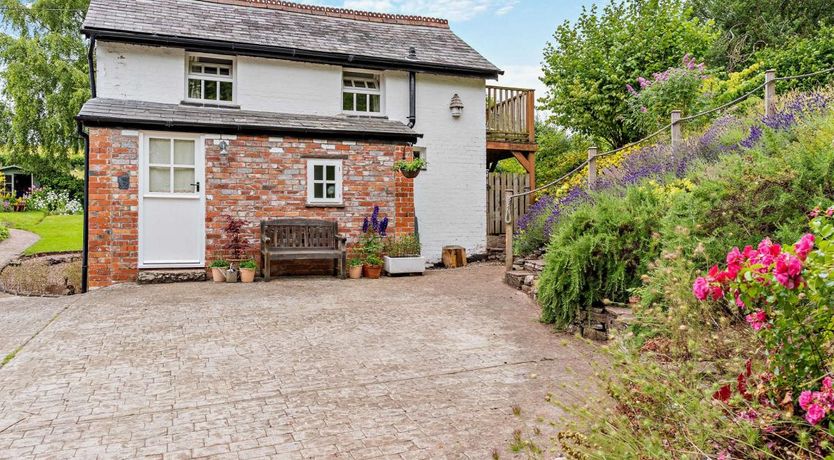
(453, 10)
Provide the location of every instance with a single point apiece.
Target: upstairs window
(361, 93)
(210, 79)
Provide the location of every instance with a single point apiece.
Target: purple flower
(631, 90)
(375, 219)
(383, 227)
(365, 225)
(752, 138)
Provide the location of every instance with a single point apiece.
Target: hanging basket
(410, 174)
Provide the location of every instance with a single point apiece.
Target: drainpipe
(412, 99)
(85, 247)
(85, 243)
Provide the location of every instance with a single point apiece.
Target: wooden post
(770, 92)
(592, 167)
(531, 116)
(677, 134)
(508, 230)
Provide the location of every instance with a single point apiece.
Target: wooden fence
(497, 186)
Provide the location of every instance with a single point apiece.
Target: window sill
(214, 105)
(325, 205)
(365, 115)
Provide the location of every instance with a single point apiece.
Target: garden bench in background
(302, 239)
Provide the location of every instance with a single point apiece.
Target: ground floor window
(324, 181)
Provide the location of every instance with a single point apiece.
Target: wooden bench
(301, 239)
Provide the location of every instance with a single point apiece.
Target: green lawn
(58, 233)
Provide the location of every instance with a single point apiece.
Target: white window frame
(376, 78)
(232, 78)
(311, 182)
(420, 152)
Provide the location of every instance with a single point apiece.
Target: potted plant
(218, 270)
(237, 244)
(373, 267)
(410, 168)
(370, 243)
(402, 256)
(247, 271)
(355, 268)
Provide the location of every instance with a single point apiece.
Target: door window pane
(183, 178)
(160, 151)
(160, 180)
(184, 152)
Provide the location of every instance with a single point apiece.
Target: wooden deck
(511, 127)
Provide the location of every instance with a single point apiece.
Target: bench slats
(294, 238)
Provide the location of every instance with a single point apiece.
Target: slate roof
(247, 26)
(154, 115)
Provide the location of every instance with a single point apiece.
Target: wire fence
(769, 87)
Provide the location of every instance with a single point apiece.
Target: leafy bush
(599, 251)
(4, 232)
(51, 201)
(802, 56)
(402, 246)
(676, 88)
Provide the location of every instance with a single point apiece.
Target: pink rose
(815, 414)
(739, 303)
(830, 211)
(787, 271)
(700, 288)
(827, 382)
(805, 399)
(804, 246)
(757, 320)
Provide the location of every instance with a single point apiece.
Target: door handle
(196, 184)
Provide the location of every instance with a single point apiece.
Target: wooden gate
(497, 184)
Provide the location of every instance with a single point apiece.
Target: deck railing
(510, 114)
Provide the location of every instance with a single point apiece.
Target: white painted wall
(450, 196)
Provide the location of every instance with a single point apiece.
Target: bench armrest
(265, 239)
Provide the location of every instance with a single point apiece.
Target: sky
(510, 33)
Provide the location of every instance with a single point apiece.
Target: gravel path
(13, 246)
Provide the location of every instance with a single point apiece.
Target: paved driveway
(422, 367)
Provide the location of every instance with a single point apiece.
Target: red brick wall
(260, 178)
(113, 239)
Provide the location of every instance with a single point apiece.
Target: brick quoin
(261, 178)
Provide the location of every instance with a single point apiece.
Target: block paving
(419, 367)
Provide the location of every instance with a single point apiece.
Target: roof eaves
(293, 54)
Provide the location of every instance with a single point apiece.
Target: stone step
(534, 265)
(519, 278)
(171, 276)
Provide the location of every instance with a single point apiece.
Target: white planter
(405, 265)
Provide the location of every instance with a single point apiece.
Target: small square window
(210, 79)
(324, 181)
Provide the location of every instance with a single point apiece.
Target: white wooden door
(171, 201)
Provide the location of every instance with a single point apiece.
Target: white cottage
(264, 108)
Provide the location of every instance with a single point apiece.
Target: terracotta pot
(410, 174)
(355, 272)
(218, 275)
(247, 275)
(372, 271)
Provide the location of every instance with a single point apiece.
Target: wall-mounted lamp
(224, 147)
(456, 106)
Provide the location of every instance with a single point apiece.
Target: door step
(180, 275)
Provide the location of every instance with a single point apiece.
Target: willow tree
(44, 79)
